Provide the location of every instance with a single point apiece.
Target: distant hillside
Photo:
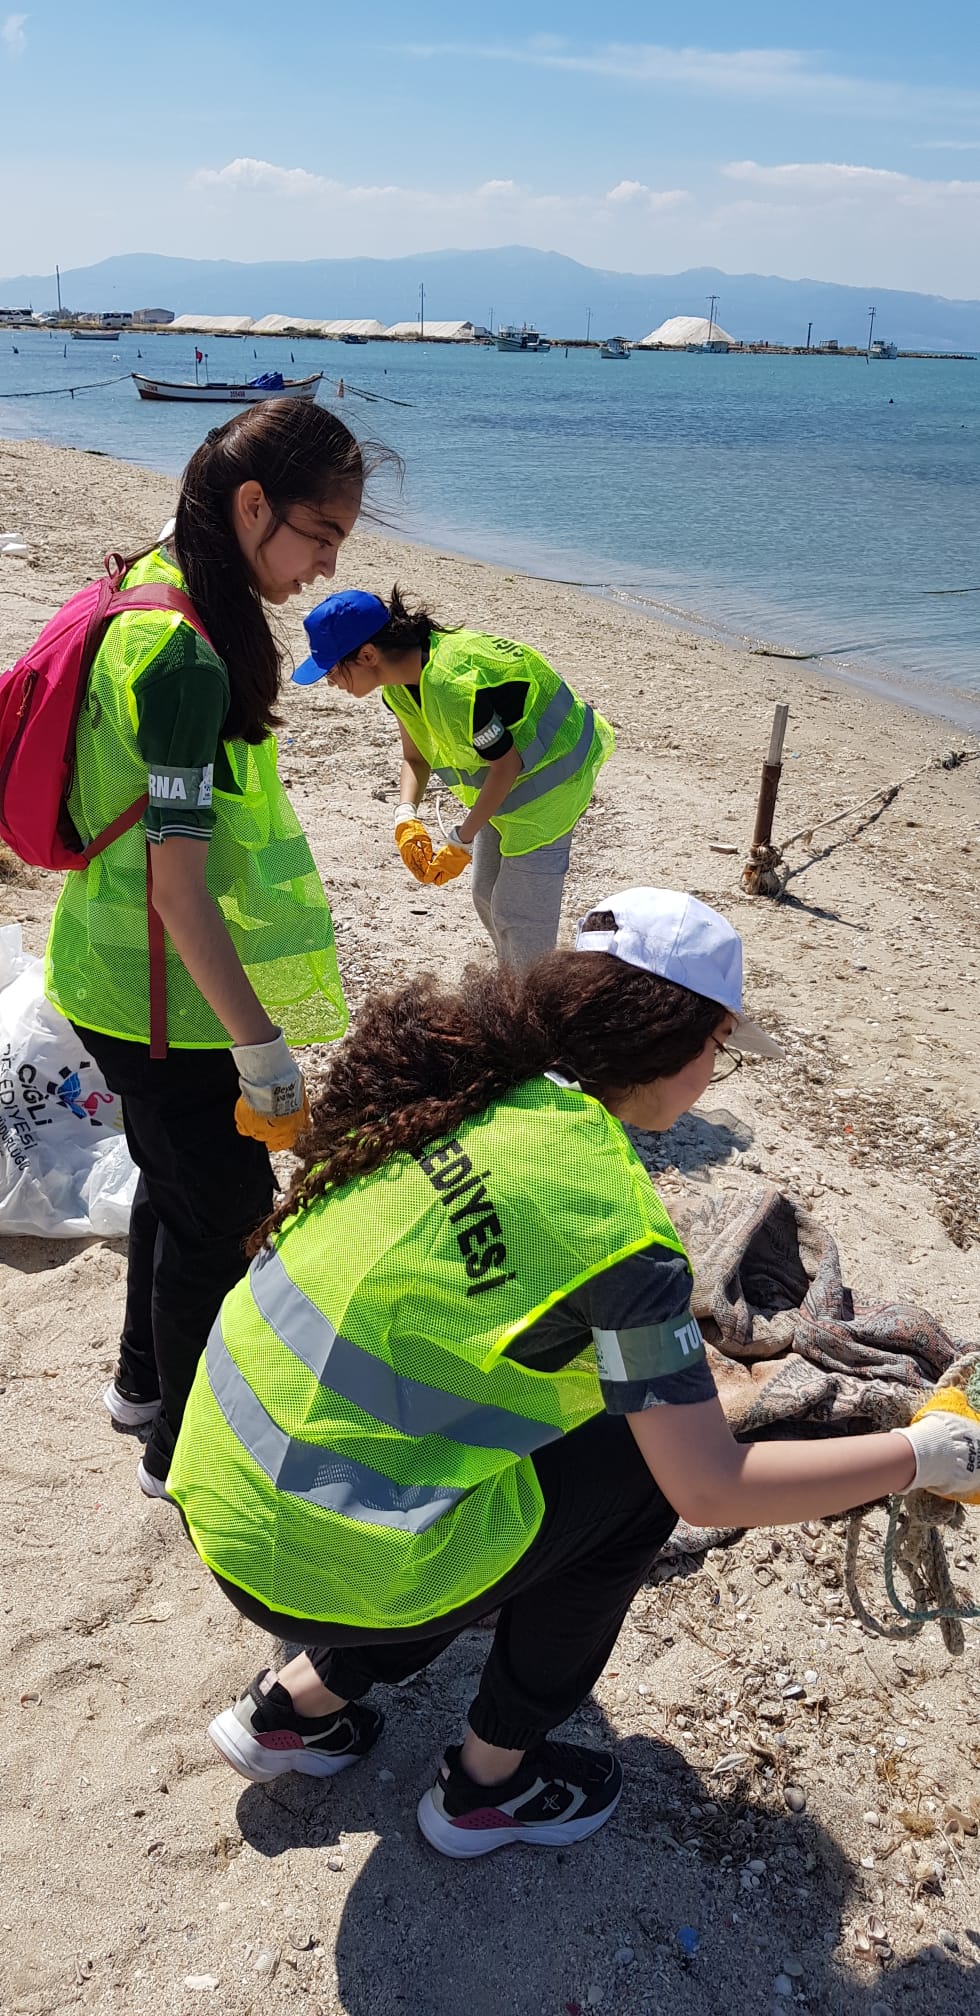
(513, 283)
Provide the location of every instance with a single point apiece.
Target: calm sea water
(827, 505)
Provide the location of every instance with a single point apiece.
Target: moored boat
(509, 337)
(615, 349)
(270, 385)
(96, 335)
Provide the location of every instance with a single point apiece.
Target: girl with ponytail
(199, 945)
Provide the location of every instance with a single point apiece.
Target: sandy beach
(139, 1873)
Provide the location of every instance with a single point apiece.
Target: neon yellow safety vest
(563, 743)
(357, 1444)
(260, 873)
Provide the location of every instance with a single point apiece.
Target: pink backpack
(41, 698)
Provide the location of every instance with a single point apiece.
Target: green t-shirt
(182, 702)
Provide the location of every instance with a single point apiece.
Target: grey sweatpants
(518, 896)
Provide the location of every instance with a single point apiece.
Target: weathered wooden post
(759, 876)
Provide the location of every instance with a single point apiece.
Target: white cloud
(650, 199)
(824, 180)
(785, 76)
(12, 34)
(247, 177)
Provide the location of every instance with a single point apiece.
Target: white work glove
(946, 1445)
(272, 1108)
(454, 840)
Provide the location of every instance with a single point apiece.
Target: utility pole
(872, 312)
(712, 305)
(491, 318)
(588, 323)
(809, 333)
(57, 275)
(421, 311)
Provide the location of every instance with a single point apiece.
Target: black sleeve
(495, 711)
(648, 1346)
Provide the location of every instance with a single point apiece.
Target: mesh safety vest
(357, 1444)
(563, 743)
(260, 873)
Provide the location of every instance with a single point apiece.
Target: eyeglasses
(727, 1062)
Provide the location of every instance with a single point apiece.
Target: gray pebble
(302, 1942)
(266, 1961)
(624, 1956)
(386, 1777)
(335, 1861)
(794, 1797)
(782, 1985)
(201, 1981)
(757, 1868)
(794, 1968)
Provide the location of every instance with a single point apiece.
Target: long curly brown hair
(423, 1058)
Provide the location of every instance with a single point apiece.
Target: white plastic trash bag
(65, 1169)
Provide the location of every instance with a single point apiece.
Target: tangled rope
(914, 1544)
(766, 873)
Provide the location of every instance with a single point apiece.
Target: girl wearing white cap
(501, 729)
(463, 1375)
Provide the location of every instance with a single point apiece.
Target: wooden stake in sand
(760, 875)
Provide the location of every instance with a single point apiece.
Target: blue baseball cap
(336, 628)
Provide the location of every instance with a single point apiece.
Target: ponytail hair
(406, 629)
(422, 1059)
(300, 454)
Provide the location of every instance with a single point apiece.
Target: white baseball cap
(683, 940)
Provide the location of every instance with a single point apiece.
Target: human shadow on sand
(537, 1932)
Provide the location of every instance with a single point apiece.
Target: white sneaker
(152, 1487)
(129, 1413)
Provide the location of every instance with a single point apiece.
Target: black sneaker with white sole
(262, 1736)
(561, 1793)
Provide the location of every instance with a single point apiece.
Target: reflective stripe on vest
(317, 1475)
(407, 1405)
(359, 1444)
(552, 721)
(543, 781)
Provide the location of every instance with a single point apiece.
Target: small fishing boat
(510, 338)
(615, 349)
(352, 336)
(269, 385)
(96, 335)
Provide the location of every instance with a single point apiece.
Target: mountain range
(511, 283)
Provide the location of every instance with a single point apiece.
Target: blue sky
(840, 143)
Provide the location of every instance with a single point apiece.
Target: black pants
(202, 1189)
(561, 1608)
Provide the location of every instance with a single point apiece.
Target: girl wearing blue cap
(199, 945)
(463, 1373)
(500, 728)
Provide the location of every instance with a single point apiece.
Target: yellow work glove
(945, 1435)
(273, 1108)
(413, 842)
(450, 860)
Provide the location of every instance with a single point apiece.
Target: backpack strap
(162, 596)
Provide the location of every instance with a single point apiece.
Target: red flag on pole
(198, 356)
